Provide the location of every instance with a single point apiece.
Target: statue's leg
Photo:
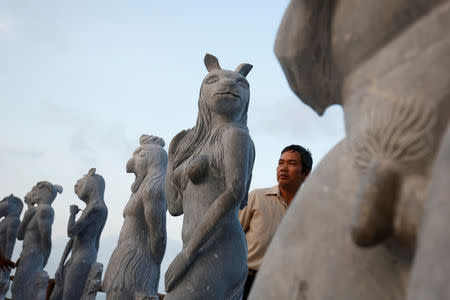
(219, 273)
(30, 264)
(75, 278)
(57, 292)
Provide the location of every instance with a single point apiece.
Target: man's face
(289, 169)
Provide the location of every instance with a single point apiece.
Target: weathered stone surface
(431, 271)
(39, 289)
(10, 210)
(208, 177)
(359, 216)
(35, 230)
(84, 234)
(93, 282)
(134, 267)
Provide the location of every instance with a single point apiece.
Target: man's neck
(288, 193)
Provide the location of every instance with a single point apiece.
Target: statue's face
(83, 186)
(226, 92)
(41, 191)
(9, 206)
(29, 200)
(138, 164)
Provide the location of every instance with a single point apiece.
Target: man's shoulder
(263, 192)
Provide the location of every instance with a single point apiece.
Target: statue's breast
(198, 169)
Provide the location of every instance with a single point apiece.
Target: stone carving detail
(392, 143)
(134, 267)
(10, 210)
(386, 63)
(39, 289)
(207, 180)
(84, 234)
(36, 232)
(93, 282)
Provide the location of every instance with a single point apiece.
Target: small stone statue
(10, 210)
(84, 234)
(208, 178)
(134, 266)
(36, 232)
(352, 231)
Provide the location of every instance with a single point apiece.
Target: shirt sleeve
(246, 214)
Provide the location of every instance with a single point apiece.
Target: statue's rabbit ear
(91, 171)
(244, 69)
(58, 188)
(211, 62)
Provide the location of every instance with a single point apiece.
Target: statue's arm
(173, 197)
(65, 254)
(23, 225)
(45, 216)
(246, 214)
(238, 154)
(156, 222)
(91, 216)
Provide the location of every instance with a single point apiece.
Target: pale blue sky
(80, 81)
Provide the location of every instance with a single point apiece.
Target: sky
(80, 81)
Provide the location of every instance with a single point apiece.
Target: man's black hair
(307, 160)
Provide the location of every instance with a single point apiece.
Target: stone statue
(36, 232)
(134, 266)
(430, 274)
(207, 179)
(93, 282)
(352, 231)
(10, 210)
(84, 234)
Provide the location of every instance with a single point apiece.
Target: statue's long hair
(152, 185)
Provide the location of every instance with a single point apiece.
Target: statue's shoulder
(44, 211)
(236, 133)
(99, 210)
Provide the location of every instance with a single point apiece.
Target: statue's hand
(176, 270)
(74, 209)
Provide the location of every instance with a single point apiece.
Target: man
(266, 207)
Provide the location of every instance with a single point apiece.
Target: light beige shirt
(260, 220)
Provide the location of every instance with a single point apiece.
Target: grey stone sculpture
(93, 282)
(351, 232)
(134, 266)
(207, 179)
(10, 210)
(36, 232)
(40, 285)
(431, 271)
(84, 234)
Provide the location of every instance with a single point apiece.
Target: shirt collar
(275, 191)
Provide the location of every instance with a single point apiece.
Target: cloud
(289, 116)
(8, 24)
